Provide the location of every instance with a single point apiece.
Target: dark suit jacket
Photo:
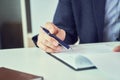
(81, 18)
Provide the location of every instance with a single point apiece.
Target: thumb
(52, 28)
(60, 33)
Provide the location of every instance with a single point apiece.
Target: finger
(44, 48)
(48, 49)
(60, 33)
(48, 41)
(117, 49)
(52, 28)
(51, 40)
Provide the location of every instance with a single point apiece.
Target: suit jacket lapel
(99, 12)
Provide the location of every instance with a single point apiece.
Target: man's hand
(117, 49)
(47, 43)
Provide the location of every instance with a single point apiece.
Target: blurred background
(20, 20)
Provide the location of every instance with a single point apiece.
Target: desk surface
(35, 61)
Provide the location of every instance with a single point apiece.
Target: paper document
(94, 55)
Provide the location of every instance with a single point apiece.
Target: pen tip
(41, 26)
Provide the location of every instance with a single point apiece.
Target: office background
(21, 19)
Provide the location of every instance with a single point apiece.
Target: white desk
(35, 61)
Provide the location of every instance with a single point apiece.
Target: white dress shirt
(112, 21)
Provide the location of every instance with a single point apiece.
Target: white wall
(42, 11)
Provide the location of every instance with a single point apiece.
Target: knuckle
(50, 50)
(50, 39)
(50, 45)
(45, 48)
(44, 41)
(54, 47)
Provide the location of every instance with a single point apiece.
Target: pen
(59, 40)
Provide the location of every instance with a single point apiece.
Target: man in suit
(86, 20)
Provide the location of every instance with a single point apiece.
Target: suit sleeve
(64, 19)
